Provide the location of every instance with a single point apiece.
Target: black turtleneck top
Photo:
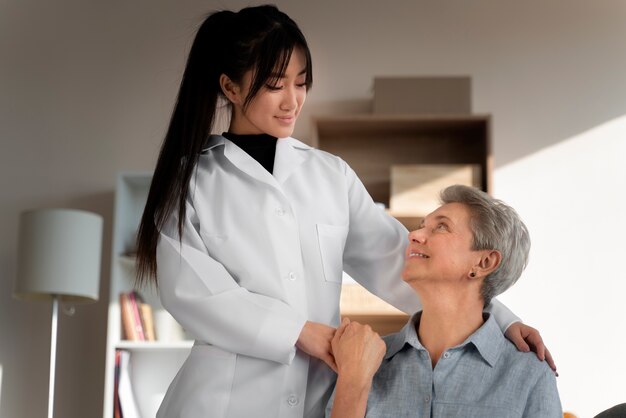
(261, 147)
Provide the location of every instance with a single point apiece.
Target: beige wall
(86, 89)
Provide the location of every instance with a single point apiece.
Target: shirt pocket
(332, 241)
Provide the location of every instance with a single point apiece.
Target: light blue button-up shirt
(484, 377)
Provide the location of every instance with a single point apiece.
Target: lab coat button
(280, 211)
(292, 276)
(293, 400)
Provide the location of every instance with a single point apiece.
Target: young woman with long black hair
(246, 233)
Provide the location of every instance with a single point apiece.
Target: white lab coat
(260, 255)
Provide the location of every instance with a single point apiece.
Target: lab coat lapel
(287, 158)
(247, 164)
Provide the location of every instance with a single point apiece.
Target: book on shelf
(135, 301)
(128, 318)
(117, 409)
(137, 317)
(127, 401)
(147, 321)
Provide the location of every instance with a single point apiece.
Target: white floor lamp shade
(59, 254)
(58, 260)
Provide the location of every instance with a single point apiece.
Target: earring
(472, 274)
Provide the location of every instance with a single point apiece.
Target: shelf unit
(372, 143)
(153, 364)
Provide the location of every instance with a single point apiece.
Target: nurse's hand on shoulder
(315, 340)
(527, 338)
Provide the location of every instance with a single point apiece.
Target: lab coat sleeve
(503, 315)
(374, 253)
(205, 299)
(374, 250)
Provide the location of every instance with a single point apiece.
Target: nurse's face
(275, 107)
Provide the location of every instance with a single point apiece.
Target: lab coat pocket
(332, 240)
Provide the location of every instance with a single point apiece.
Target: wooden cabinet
(153, 365)
(372, 144)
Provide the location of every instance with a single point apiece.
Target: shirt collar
(407, 335)
(487, 339)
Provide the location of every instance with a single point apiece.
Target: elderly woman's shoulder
(526, 364)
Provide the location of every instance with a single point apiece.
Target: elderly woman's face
(441, 248)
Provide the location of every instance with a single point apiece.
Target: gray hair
(495, 226)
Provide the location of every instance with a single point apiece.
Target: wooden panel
(356, 300)
(382, 324)
(415, 188)
(360, 305)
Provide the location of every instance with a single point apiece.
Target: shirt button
(293, 400)
(280, 211)
(446, 355)
(292, 276)
(426, 398)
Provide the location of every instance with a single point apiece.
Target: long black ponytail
(260, 39)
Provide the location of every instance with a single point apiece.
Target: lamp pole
(53, 353)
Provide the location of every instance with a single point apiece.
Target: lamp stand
(53, 353)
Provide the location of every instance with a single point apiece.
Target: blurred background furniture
(618, 411)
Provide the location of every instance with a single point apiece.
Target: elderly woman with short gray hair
(451, 359)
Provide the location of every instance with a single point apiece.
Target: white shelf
(153, 364)
(128, 261)
(153, 345)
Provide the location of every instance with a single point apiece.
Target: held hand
(527, 338)
(315, 340)
(358, 351)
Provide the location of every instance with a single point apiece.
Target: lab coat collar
(212, 142)
(286, 161)
(288, 158)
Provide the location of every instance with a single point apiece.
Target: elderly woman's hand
(527, 338)
(358, 351)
